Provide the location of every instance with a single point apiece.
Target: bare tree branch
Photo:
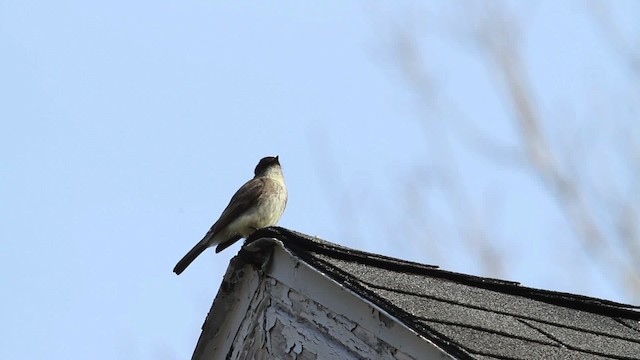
(591, 221)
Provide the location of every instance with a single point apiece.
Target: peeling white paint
(291, 311)
(284, 324)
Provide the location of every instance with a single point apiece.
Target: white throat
(273, 173)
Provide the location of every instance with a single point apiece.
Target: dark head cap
(265, 163)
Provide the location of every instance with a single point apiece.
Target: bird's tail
(191, 255)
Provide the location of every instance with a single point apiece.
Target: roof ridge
(299, 242)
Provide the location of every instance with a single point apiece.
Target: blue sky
(126, 127)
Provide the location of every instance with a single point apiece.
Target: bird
(259, 203)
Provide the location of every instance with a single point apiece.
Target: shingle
(483, 299)
(485, 357)
(635, 324)
(443, 312)
(485, 343)
(590, 342)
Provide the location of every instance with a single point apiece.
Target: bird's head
(267, 165)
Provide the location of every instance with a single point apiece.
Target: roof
(473, 317)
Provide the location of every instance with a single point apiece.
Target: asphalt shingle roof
(473, 317)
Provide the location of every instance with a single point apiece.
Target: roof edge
(305, 245)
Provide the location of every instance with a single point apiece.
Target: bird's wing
(246, 197)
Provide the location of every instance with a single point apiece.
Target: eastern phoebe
(259, 203)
